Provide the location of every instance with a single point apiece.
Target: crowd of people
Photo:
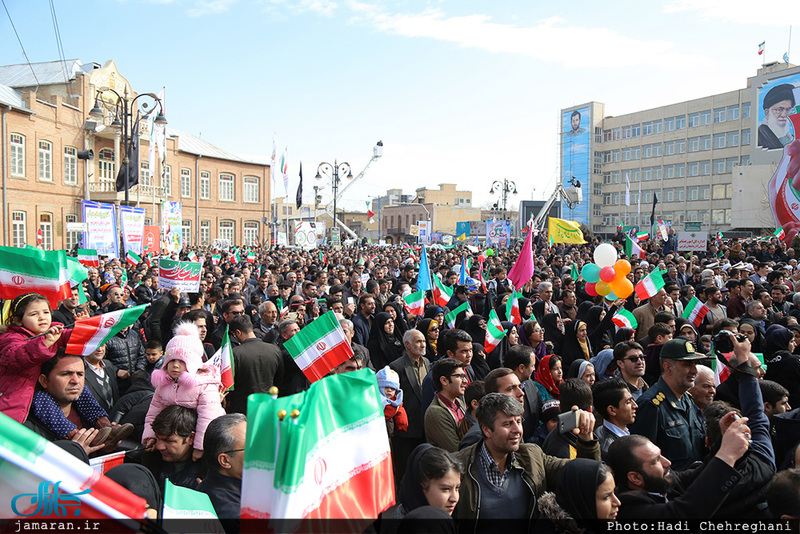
(568, 418)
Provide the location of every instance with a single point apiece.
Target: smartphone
(351, 301)
(567, 422)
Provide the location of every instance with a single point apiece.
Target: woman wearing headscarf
(783, 367)
(585, 492)
(583, 370)
(752, 330)
(141, 482)
(532, 334)
(600, 325)
(795, 330)
(576, 344)
(553, 331)
(525, 308)
(399, 318)
(479, 364)
(430, 328)
(435, 312)
(549, 375)
(583, 310)
(475, 326)
(384, 345)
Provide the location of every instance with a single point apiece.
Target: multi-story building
(701, 158)
(45, 113)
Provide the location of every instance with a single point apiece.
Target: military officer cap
(680, 348)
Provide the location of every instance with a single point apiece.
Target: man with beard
(775, 130)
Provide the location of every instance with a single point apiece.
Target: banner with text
(171, 225)
(692, 241)
(184, 275)
(151, 242)
(102, 228)
(132, 221)
(498, 232)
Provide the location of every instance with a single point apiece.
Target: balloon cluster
(607, 276)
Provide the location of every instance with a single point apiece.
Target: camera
(723, 343)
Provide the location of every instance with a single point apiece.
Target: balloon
(611, 296)
(590, 290)
(607, 274)
(605, 255)
(622, 267)
(602, 288)
(622, 287)
(590, 273)
(482, 257)
(489, 252)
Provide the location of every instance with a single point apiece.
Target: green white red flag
(26, 270)
(415, 303)
(88, 257)
(237, 259)
(632, 249)
(192, 256)
(223, 360)
(185, 503)
(88, 334)
(251, 257)
(651, 284)
(215, 259)
(132, 258)
(642, 236)
(450, 318)
(441, 293)
(624, 319)
(330, 462)
(494, 332)
(319, 347)
(512, 308)
(695, 311)
(42, 480)
(102, 464)
(780, 234)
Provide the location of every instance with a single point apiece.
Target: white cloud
(777, 13)
(551, 40)
(209, 7)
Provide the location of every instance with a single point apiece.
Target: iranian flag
(251, 257)
(329, 459)
(624, 319)
(512, 308)
(761, 48)
(132, 258)
(185, 503)
(450, 318)
(651, 284)
(148, 259)
(441, 293)
(215, 259)
(88, 257)
(223, 360)
(323, 258)
(236, 257)
(88, 334)
(34, 470)
(695, 311)
(28, 270)
(632, 249)
(319, 347)
(192, 256)
(102, 464)
(415, 303)
(780, 234)
(642, 236)
(494, 332)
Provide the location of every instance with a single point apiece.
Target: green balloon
(489, 252)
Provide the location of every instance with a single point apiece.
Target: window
(17, 155)
(251, 189)
(668, 195)
(615, 199)
(615, 156)
(250, 236)
(598, 166)
(606, 178)
(597, 210)
(680, 146)
(186, 232)
(205, 185)
(657, 126)
(705, 142)
(147, 221)
(626, 154)
(598, 135)
(705, 167)
(635, 173)
(656, 173)
(669, 171)
(205, 233)
(617, 134)
(680, 170)
(166, 181)
(745, 137)
(636, 130)
(72, 237)
(647, 150)
(669, 148)
(615, 177)
(627, 132)
(186, 183)
(680, 122)
(730, 163)
(733, 113)
(46, 226)
(745, 160)
(70, 166)
(597, 228)
(106, 166)
(636, 152)
(18, 230)
(719, 140)
(227, 231)
(694, 170)
(719, 115)
(719, 166)
(669, 124)
(647, 174)
(606, 135)
(733, 138)
(46, 161)
(607, 156)
(746, 110)
(226, 188)
(647, 128)
(694, 144)
(694, 120)
(144, 174)
(705, 117)
(656, 150)
(721, 191)
(717, 216)
(607, 199)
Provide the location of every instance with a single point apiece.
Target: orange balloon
(602, 288)
(622, 287)
(622, 267)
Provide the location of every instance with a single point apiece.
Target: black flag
(653, 213)
(300, 188)
(128, 175)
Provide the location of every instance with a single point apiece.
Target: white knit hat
(186, 347)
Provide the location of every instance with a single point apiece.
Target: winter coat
(199, 392)
(561, 520)
(126, 351)
(20, 365)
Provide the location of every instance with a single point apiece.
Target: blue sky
(459, 91)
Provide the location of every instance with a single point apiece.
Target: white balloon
(605, 255)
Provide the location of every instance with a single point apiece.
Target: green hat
(680, 348)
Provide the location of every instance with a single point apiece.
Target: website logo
(48, 501)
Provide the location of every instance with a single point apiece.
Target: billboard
(776, 100)
(576, 129)
(102, 224)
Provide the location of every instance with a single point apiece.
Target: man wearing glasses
(231, 308)
(447, 408)
(224, 448)
(629, 358)
(775, 130)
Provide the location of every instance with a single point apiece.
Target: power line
(59, 44)
(20, 44)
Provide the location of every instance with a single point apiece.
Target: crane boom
(571, 197)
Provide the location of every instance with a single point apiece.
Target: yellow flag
(462, 237)
(562, 231)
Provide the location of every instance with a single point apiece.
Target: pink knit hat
(186, 347)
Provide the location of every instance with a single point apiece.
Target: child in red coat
(392, 400)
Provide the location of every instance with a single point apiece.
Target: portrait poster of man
(777, 100)
(575, 160)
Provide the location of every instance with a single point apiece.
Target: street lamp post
(505, 188)
(124, 111)
(332, 172)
